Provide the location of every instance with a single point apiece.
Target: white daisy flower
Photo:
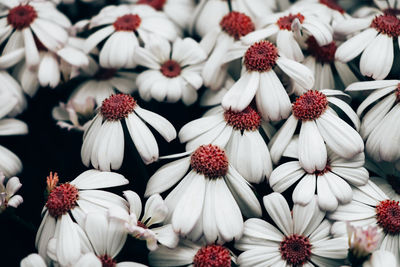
(320, 128)
(208, 13)
(288, 28)
(178, 11)
(124, 27)
(244, 144)
(379, 123)
(71, 202)
(218, 42)
(24, 23)
(301, 238)
(33, 260)
(321, 61)
(211, 197)
(103, 140)
(142, 227)
(74, 114)
(372, 207)
(374, 43)
(8, 198)
(259, 80)
(173, 73)
(188, 253)
(331, 184)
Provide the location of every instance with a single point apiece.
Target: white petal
(68, 243)
(282, 138)
(326, 199)
(285, 175)
(355, 45)
(155, 210)
(305, 189)
(297, 71)
(279, 211)
(93, 179)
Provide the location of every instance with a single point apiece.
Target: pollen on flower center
(310, 105)
(170, 69)
(117, 107)
(246, 120)
(295, 249)
(107, 261)
(261, 56)
(62, 199)
(103, 74)
(128, 22)
(285, 23)
(323, 54)
(236, 24)
(156, 4)
(209, 160)
(388, 216)
(387, 24)
(332, 4)
(212, 255)
(21, 16)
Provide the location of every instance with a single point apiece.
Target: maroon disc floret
(107, 261)
(62, 199)
(170, 68)
(21, 17)
(156, 4)
(117, 107)
(295, 249)
(387, 24)
(332, 4)
(212, 256)
(209, 160)
(285, 23)
(310, 105)
(323, 171)
(323, 54)
(247, 120)
(236, 24)
(388, 216)
(261, 56)
(128, 22)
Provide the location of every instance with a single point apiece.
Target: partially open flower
(363, 242)
(8, 198)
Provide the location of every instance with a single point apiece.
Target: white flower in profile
(239, 133)
(24, 23)
(379, 124)
(374, 43)
(178, 11)
(8, 198)
(259, 81)
(123, 27)
(142, 227)
(211, 197)
(288, 28)
(300, 238)
(331, 184)
(33, 260)
(370, 206)
(174, 72)
(321, 61)
(66, 208)
(188, 253)
(320, 128)
(103, 141)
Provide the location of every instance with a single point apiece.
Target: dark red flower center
(332, 4)
(170, 68)
(323, 54)
(247, 120)
(129, 22)
(156, 4)
(236, 24)
(107, 261)
(387, 24)
(325, 170)
(62, 199)
(117, 107)
(105, 74)
(295, 249)
(209, 160)
(388, 216)
(397, 93)
(212, 256)
(261, 56)
(21, 16)
(285, 23)
(310, 105)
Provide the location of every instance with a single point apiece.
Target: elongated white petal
(278, 209)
